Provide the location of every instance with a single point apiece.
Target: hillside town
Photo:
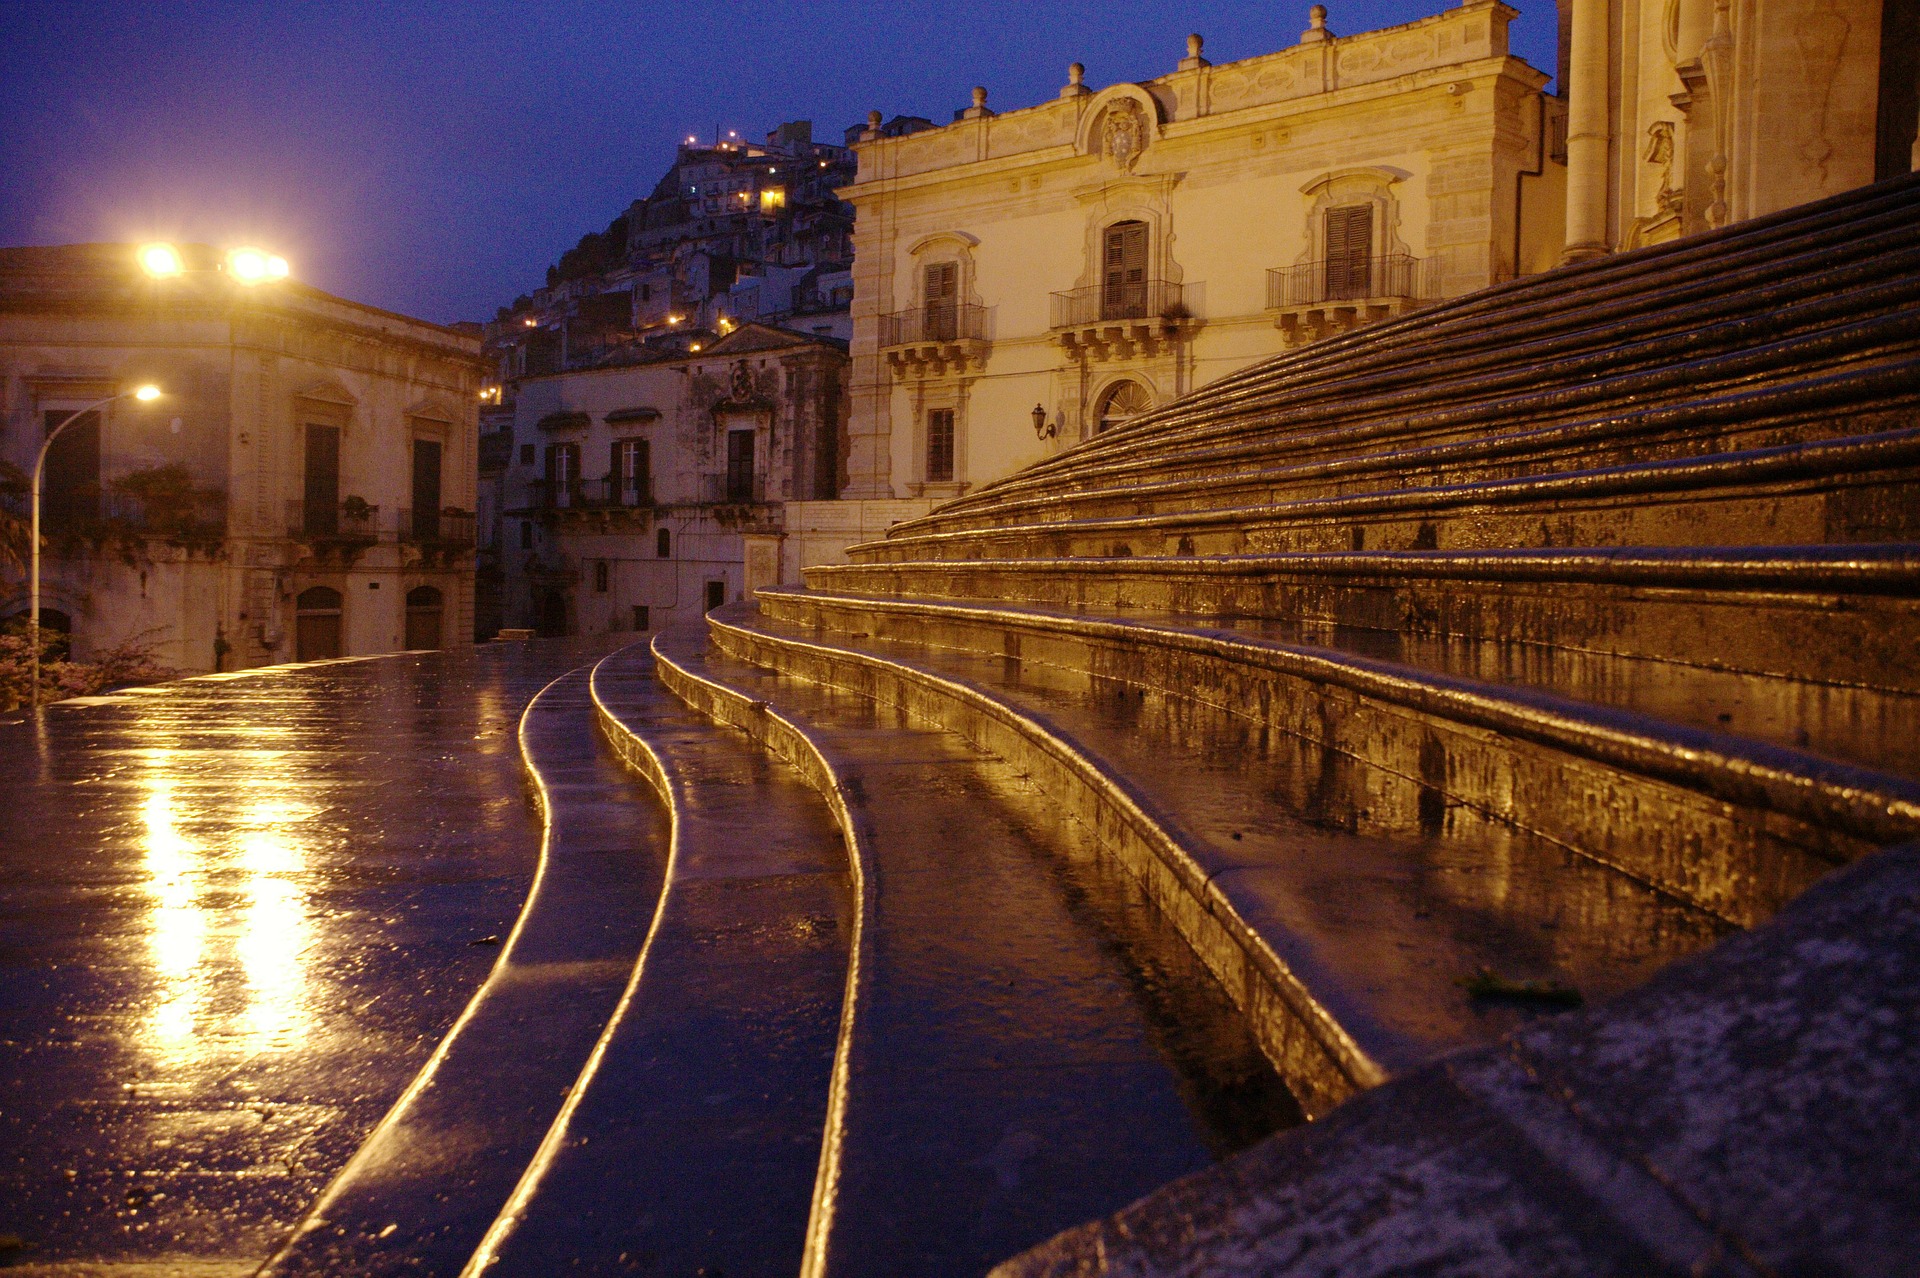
(1305, 665)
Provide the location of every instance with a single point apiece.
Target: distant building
(733, 232)
(634, 495)
(305, 488)
(1023, 281)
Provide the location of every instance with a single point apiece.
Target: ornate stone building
(1685, 115)
(304, 488)
(1028, 279)
(635, 495)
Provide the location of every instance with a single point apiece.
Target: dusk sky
(435, 158)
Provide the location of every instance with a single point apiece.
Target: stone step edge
(798, 746)
(1409, 441)
(1863, 568)
(1876, 808)
(639, 757)
(1397, 344)
(315, 1216)
(1781, 466)
(1699, 264)
(1322, 1062)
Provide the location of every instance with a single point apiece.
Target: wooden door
(316, 624)
(1123, 292)
(426, 490)
(1350, 252)
(321, 494)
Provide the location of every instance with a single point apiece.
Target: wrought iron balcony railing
(928, 324)
(1394, 275)
(351, 520)
(733, 490)
(1146, 300)
(452, 529)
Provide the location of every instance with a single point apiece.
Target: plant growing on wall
(173, 507)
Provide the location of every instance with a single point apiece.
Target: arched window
(424, 608)
(1122, 402)
(317, 617)
(663, 543)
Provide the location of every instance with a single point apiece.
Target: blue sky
(434, 158)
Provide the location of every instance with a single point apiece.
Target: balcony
(1320, 299)
(1121, 321)
(585, 496)
(437, 529)
(933, 340)
(732, 490)
(345, 528)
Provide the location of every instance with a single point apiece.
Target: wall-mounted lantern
(1042, 428)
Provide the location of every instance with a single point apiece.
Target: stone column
(1587, 132)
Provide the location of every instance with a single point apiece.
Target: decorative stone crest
(1124, 133)
(741, 389)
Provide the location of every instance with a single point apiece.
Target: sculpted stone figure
(1125, 133)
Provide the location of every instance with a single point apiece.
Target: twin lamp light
(244, 265)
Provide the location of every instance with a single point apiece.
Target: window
(1349, 251)
(663, 543)
(1123, 279)
(740, 465)
(941, 281)
(526, 454)
(641, 620)
(320, 497)
(426, 490)
(940, 446)
(526, 535)
(602, 576)
(1123, 402)
(563, 473)
(632, 483)
(716, 594)
(71, 491)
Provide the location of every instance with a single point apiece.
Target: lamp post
(142, 393)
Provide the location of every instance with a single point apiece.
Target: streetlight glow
(255, 266)
(161, 261)
(147, 394)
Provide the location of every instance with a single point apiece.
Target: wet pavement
(1033, 1043)
(237, 916)
(1381, 904)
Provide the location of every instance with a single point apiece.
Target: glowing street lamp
(161, 261)
(145, 394)
(256, 266)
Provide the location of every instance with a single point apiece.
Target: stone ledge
(1749, 1110)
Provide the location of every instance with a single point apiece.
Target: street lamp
(145, 394)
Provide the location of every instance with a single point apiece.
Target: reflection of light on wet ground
(226, 979)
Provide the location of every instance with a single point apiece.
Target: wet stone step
(693, 1146)
(421, 1192)
(1385, 901)
(1031, 1042)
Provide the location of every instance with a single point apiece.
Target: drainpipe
(1587, 132)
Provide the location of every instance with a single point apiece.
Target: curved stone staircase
(1316, 735)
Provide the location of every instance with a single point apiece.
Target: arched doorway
(316, 624)
(1122, 402)
(551, 614)
(424, 606)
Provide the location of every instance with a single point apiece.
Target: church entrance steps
(1831, 491)
(1027, 1041)
(1281, 861)
(1842, 620)
(1697, 417)
(692, 1140)
(1530, 328)
(1741, 825)
(419, 1193)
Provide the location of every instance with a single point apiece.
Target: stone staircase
(1343, 718)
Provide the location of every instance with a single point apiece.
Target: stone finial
(1076, 81)
(1316, 26)
(979, 108)
(873, 127)
(1193, 59)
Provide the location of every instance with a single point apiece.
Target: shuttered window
(940, 446)
(1123, 287)
(1350, 251)
(942, 293)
